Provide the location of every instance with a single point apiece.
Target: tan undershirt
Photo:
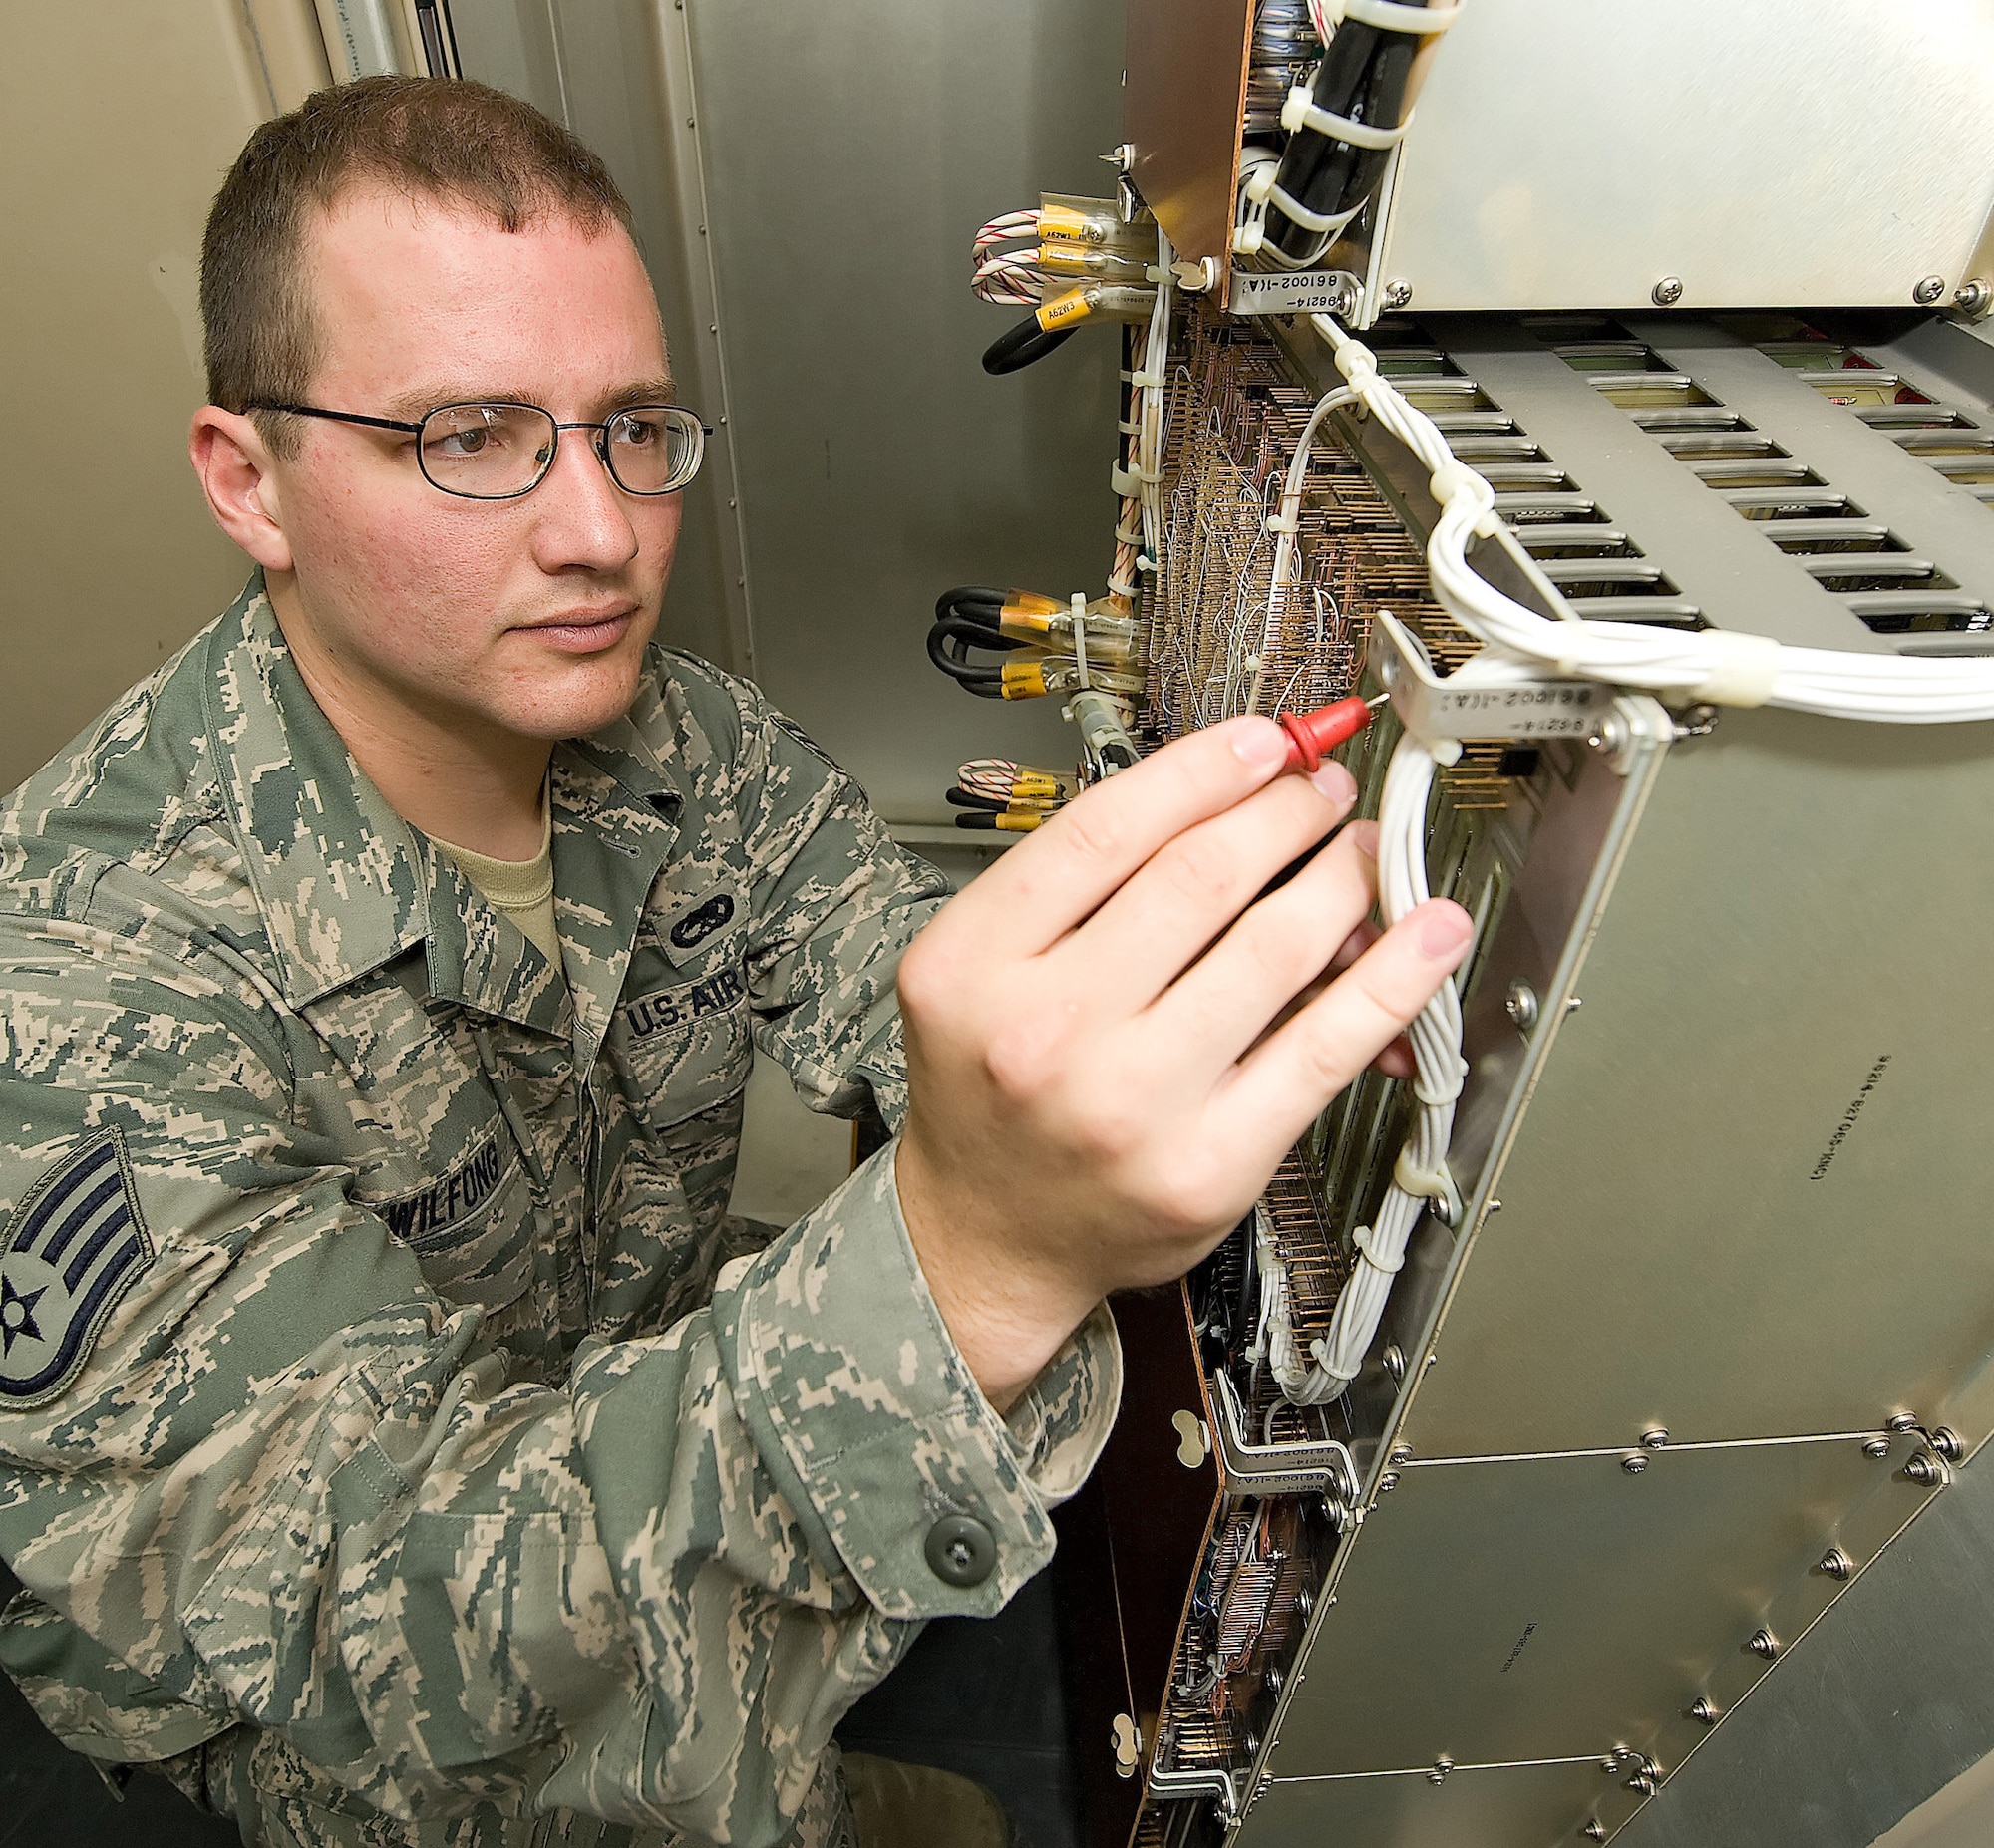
(522, 889)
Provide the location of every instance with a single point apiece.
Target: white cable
(1285, 525)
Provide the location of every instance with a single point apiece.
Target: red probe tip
(1313, 735)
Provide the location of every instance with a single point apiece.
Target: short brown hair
(443, 139)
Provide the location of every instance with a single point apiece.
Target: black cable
(968, 798)
(1024, 344)
(1362, 77)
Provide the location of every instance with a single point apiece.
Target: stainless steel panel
(1726, 565)
(1552, 1606)
(1574, 152)
(1933, 517)
(1185, 94)
(1504, 1806)
(851, 153)
(1885, 1701)
(1790, 913)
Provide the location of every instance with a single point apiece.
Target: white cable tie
(1357, 363)
(1743, 668)
(1364, 1238)
(1323, 225)
(1300, 112)
(1283, 522)
(1421, 1183)
(1146, 378)
(1455, 481)
(1128, 483)
(1260, 184)
(1446, 751)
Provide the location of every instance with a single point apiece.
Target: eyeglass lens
(493, 452)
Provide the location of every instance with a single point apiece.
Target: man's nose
(581, 519)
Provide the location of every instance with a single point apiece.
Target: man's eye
(462, 441)
(638, 432)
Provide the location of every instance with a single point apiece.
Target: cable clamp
(1455, 481)
(1365, 1239)
(1387, 16)
(1300, 112)
(1129, 482)
(1357, 363)
(1146, 378)
(1743, 668)
(1283, 522)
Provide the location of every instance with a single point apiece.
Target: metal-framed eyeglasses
(495, 449)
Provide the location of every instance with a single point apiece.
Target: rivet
(1667, 292)
(1929, 291)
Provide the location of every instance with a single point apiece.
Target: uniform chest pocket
(471, 1227)
(688, 1044)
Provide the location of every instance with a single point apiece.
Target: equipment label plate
(1330, 291)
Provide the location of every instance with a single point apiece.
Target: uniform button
(961, 1550)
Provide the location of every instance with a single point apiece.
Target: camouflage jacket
(382, 1369)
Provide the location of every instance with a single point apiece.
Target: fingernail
(1363, 836)
(1334, 783)
(1443, 931)
(1260, 746)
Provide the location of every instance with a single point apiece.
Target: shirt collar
(344, 884)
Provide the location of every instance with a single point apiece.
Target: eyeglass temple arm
(341, 416)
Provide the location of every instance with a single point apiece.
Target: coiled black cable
(1022, 345)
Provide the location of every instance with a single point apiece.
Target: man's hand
(1106, 1055)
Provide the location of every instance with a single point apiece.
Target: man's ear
(238, 474)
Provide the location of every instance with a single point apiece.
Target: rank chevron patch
(70, 1251)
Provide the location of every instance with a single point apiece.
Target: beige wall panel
(118, 120)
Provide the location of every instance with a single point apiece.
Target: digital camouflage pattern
(452, 1470)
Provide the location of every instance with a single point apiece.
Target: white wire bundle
(1420, 1172)
(1141, 518)
(1725, 666)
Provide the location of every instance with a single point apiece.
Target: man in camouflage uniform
(397, 1441)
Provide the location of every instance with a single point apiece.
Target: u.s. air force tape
(71, 1249)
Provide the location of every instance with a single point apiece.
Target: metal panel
(1885, 1701)
(1574, 152)
(1576, 1607)
(1183, 116)
(1491, 1807)
(1673, 1251)
(1724, 564)
(1935, 518)
(878, 464)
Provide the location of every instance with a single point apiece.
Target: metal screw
(1643, 1784)
(1655, 1439)
(1398, 293)
(1522, 1005)
(1764, 1643)
(1442, 1765)
(1388, 1482)
(1703, 1711)
(1634, 1464)
(1878, 1447)
(1401, 1454)
(1251, 1742)
(1304, 1601)
(1393, 1359)
(1667, 292)
(1924, 1470)
(1622, 1752)
(1946, 1442)
(1572, 1003)
(1929, 291)
(1609, 1765)
(1901, 1421)
(1273, 1678)
(1123, 158)
(1837, 1564)
(1972, 297)
(1593, 1832)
